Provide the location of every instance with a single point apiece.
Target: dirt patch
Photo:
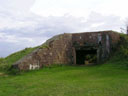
(2, 74)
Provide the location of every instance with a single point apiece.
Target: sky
(28, 23)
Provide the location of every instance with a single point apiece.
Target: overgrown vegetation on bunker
(119, 59)
(123, 50)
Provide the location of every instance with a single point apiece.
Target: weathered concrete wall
(56, 50)
(61, 49)
(104, 42)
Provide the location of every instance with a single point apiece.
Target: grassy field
(109, 79)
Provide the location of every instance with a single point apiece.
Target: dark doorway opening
(87, 57)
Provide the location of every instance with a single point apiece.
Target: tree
(125, 29)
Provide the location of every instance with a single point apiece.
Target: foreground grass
(101, 80)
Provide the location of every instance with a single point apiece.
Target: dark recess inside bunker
(86, 56)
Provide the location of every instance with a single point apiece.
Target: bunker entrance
(86, 57)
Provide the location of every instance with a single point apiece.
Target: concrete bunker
(87, 48)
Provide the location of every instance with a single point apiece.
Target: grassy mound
(5, 63)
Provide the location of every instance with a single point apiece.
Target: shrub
(123, 47)
(43, 46)
(13, 71)
(2, 64)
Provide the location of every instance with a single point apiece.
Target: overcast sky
(27, 23)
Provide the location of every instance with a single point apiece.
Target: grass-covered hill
(5, 63)
(108, 79)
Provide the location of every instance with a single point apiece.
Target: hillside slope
(5, 63)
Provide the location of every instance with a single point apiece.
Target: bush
(123, 50)
(2, 64)
(13, 71)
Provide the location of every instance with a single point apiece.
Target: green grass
(18, 55)
(5, 63)
(109, 79)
